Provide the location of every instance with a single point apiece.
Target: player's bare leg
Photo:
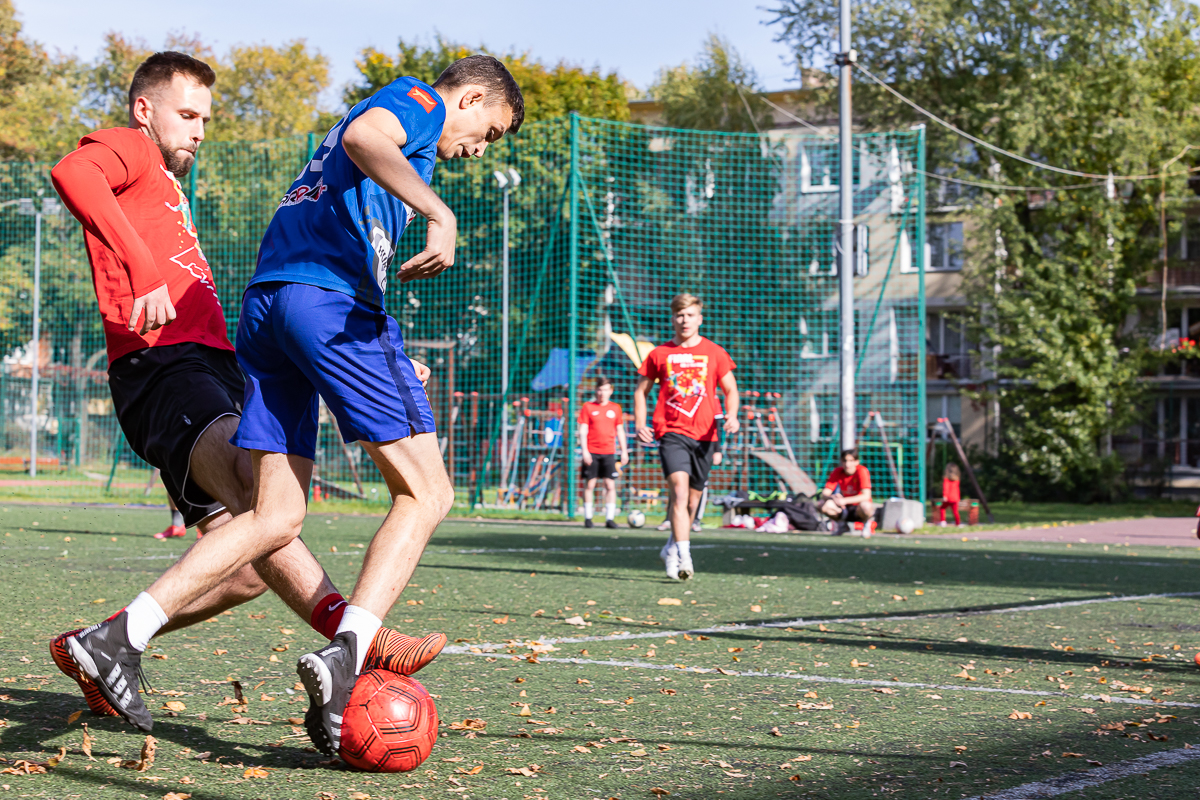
(610, 503)
(422, 495)
(589, 496)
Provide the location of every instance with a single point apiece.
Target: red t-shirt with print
(687, 379)
(140, 236)
(851, 483)
(602, 422)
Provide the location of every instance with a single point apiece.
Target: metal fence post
(919, 258)
(568, 424)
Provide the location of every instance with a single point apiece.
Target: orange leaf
(255, 772)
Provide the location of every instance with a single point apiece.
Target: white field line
(797, 676)
(1076, 781)
(802, 623)
(848, 550)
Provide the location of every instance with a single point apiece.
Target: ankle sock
(588, 508)
(146, 618)
(364, 625)
(328, 615)
(684, 548)
(610, 510)
(176, 518)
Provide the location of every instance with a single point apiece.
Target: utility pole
(845, 61)
(507, 181)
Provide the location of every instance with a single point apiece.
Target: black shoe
(103, 654)
(611, 523)
(328, 677)
(587, 523)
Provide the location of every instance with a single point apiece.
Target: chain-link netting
(604, 223)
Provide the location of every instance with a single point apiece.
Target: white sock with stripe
(146, 618)
(364, 625)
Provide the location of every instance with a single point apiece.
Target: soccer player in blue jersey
(313, 323)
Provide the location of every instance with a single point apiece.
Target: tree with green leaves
(549, 91)
(718, 93)
(1091, 87)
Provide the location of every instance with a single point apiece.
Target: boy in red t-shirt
(688, 370)
(601, 428)
(847, 494)
(951, 494)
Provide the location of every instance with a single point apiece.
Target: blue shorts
(296, 341)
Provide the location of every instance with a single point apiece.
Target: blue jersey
(336, 228)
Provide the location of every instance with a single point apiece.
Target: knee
(438, 497)
(279, 527)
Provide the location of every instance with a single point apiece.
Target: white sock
(684, 548)
(610, 510)
(587, 510)
(146, 618)
(364, 625)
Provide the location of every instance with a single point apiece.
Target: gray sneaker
(328, 677)
(103, 653)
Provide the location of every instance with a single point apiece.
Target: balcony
(948, 367)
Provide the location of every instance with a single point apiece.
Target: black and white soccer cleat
(328, 677)
(103, 654)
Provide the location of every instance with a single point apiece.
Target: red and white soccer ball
(390, 723)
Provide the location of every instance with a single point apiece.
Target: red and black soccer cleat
(172, 532)
(62, 659)
(393, 651)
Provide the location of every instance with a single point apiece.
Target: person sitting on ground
(601, 427)
(847, 494)
(951, 494)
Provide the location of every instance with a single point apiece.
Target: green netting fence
(607, 222)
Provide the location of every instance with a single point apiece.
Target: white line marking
(798, 676)
(848, 550)
(1075, 781)
(802, 623)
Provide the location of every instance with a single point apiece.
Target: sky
(633, 37)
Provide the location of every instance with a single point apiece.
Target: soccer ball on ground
(636, 518)
(390, 723)
(905, 525)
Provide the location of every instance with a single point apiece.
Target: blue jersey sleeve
(420, 111)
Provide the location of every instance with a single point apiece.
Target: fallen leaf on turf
(755, 609)
(1072, 755)
(810, 694)
(775, 732)
(726, 671)
(255, 772)
(606, 702)
(658, 791)
(1095, 763)
(237, 691)
(175, 796)
(628, 701)
(796, 778)
(220, 652)
(159, 656)
(884, 690)
(175, 705)
(286, 631)
(326, 796)
(359, 796)
(501, 620)
(577, 620)
(295, 720)
(954, 764)
(528, 772)
(854, 662)
(74, 716)
(670, 601)
(207, 754)
(86, 747)
(1020, 715)
(550, 731)
(466, 725)
(147, 759)
(960, 748)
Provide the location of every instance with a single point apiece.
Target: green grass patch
(792, 666)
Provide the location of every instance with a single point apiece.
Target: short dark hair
(852, 452)
(162, 67)
(492, 75)
(602, 380)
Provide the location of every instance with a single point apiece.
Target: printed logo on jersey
(302, 193)
(422, 97)
(687, 375)
(183, 208)
(381, 243)
(193, 261)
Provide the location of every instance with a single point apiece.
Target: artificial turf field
(792, 666)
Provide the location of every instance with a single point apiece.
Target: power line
(1007, 187)
(1009, 153)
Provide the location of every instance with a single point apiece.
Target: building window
(944, 247)
(947, 347)
(945, 406)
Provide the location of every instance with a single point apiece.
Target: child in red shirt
(951, 494)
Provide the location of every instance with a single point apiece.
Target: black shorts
(604, 465)
(165, 398)
(680, 453)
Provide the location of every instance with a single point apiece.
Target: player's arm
(373, 142)
(85, 180)
(583, 434)
(732, 402)
(623, 441)
(640, 393)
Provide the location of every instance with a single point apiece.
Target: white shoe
(665, 525)
(670, 556)
(697, 527)
(685, 570)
